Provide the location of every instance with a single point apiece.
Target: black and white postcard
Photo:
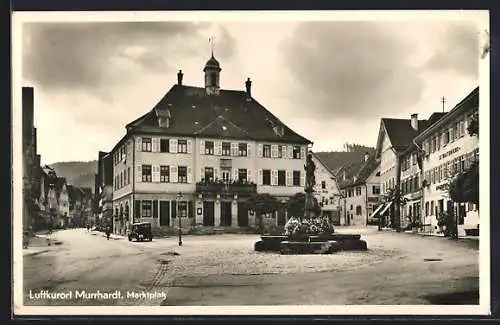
(256, 163)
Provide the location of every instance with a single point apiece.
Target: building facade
(200, 153)
(449, 149)
(327, 191)
(29, 151)
(360, 188)
(411, 186)
(394, 148)
(104, 192)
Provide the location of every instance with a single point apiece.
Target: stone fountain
(309, 234)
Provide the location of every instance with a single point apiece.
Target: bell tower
(212, 73)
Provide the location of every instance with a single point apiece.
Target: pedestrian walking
(108, 232)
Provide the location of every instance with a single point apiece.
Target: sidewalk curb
(36, 253)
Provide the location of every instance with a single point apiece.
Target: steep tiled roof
(400, 132)
(229, 114)
(336, 160)
(356, 173)
(323, 163)
(60, 181)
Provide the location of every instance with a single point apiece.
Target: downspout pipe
(133, 208)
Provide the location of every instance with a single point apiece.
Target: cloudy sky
(329, 81)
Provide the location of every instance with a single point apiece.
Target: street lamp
(179, 198)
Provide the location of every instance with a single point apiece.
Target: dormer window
(279, 130)
(164, 122)
(163, 117)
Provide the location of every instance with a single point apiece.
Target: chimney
(414, 121)
(248, 85)
(367, 156)
(179, 77)
(27, 115)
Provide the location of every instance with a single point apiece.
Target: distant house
(360, 187)
(327, 191)
(48, 204)
(80, 205)
(63, 201)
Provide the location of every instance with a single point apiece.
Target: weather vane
(211, 40)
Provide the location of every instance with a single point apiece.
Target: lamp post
(179, 198)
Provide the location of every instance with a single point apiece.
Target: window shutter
(153, 173)
(259, 150)
(173, 145)
(174, 209)
(234, 149)
(288, 178)
(274, 151)
(138, 177)
(155, 209)
(189, 146)
(275, 177)
(218, 148)
(202, 147)
(138, 146)
(249, 175)
(137, 209)
(289, 152)
(173, 174)
(202, 174)
(155, 145)
(302, 179)
(303, 152)
(216, 173)
(260, 177)
(249, 149)
(189, 175)
(235, 174)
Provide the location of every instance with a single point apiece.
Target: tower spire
(211, 40)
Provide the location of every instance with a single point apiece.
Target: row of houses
(417, 158)
(49, 201)
(200, 153)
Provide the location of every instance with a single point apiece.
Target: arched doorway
(120, 220)
(127, 217)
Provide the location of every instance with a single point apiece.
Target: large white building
(449, 149)
(327, 191)
(200, 153)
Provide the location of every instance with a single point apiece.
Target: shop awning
(386, 208)
(377, 210)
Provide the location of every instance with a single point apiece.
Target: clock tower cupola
(212, 74)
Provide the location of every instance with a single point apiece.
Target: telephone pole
(443, 100)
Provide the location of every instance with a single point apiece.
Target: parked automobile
(140, 232)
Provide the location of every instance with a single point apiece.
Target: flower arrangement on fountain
(296, 227)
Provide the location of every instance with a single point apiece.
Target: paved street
(224, 270)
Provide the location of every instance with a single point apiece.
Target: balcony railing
(222, 187)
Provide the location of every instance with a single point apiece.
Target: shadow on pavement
(455, 298)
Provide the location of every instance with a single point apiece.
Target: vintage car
(140, 232)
